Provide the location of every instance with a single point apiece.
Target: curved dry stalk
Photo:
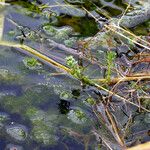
(118, 25)
(110, 27)
(58, 5)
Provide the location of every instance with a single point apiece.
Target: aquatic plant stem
(56, 64)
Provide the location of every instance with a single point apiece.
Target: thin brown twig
(124, 79)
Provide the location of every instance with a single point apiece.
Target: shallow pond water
(42, 108)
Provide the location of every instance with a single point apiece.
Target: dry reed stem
(130, 33)
(124, 79)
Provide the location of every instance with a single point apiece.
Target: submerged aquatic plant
(77, 116)
(77, 71)
(32, 63)
(65, 95)
(43, 133)
(90, 101)
(110, 57)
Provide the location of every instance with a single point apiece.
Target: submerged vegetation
(74, 74)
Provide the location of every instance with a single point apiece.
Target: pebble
(18, 132)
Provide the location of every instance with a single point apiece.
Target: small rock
(18, 132)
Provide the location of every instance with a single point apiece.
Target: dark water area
(13, 89)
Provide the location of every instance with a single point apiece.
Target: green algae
(77, 116)
(84, 26)
(90, 101)
(20, 104)
(142, 29)
(49, 29)
(28, 5)
(43, 134)
(43, 125)
(32, 63)
(7, 76)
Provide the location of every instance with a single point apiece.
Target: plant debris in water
(74, 74)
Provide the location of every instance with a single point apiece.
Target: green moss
(141, 30)
(70, 42)
(65, 95)
(145, 103)
(77, 116)
(77, 71)
(22, 133)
